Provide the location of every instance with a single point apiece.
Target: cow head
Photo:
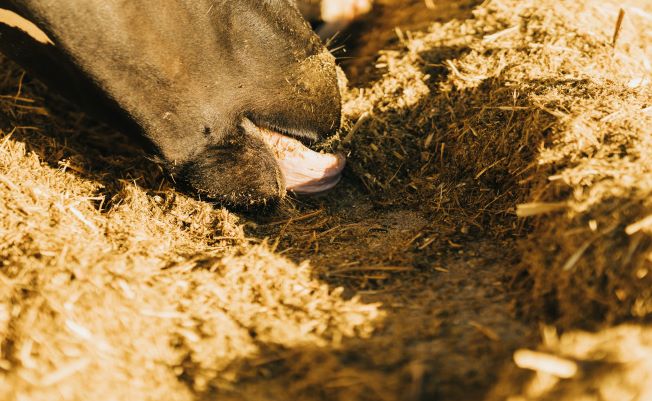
(281, 82)
(227, 92)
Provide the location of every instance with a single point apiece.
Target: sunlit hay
(527, 105)
(447, 127)
(114, 284)
(539, 100)
(589, 265)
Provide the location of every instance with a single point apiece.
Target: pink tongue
(305, 171)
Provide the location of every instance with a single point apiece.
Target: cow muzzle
(304, 170)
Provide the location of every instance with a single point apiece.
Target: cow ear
(240, 171)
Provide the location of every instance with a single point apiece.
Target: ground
(489, 241)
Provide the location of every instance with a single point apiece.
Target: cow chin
(239, 172)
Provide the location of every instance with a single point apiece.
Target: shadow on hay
(461, 250)
(428, 352)
(454, 315)
(66, 138)
(424, 352)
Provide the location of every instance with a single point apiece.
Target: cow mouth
(304, 170)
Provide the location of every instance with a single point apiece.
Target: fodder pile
(528, 102)
(112, 282)
(542, 110)
(114, 285)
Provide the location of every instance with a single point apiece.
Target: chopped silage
(129, 291)
(528, 103)
(543, 110)
(114, 282)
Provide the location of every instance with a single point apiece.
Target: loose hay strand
(619, 24)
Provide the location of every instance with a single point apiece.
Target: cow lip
(307, 138)
(305, 171)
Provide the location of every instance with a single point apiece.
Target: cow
(229, 95)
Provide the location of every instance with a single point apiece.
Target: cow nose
(318, 80)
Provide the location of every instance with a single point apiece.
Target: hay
(133, 291)
(525, 104)
(540, 110)
(497, 179)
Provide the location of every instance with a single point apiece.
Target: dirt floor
(495, 206)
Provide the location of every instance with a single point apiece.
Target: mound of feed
(527, 103)
(111, 280)
(541, 110)
(113, 283)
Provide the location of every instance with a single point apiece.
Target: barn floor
(490, 239)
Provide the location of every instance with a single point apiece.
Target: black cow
(223, 91)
